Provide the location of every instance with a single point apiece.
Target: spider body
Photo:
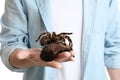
(54, 44)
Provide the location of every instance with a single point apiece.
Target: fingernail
(73, 56)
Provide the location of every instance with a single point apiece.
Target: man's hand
(114, 74)
(31, 57)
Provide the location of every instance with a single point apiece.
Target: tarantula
(54, 44)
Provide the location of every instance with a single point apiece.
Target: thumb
(22, 54)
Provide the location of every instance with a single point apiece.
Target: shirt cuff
(5, 57)
(112, 61)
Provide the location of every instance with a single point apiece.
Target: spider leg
(69, 40)
(63, 34)
(62, 40)
(55, 37)
(44, 33)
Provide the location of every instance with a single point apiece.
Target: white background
(6, 74)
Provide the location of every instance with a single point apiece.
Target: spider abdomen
(51, 51)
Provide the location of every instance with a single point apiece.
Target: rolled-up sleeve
(112, 37)
(14, 31)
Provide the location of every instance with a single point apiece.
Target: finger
(62, 57)
(72, 53)
(53, 64)
(71, 59)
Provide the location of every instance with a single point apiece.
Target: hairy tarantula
(54, 44)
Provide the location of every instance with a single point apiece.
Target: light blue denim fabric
(23, 20)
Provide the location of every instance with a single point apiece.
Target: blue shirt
(100, 41)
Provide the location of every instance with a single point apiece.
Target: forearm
(31, 57)
(114, 74)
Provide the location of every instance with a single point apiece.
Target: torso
(67, 17)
